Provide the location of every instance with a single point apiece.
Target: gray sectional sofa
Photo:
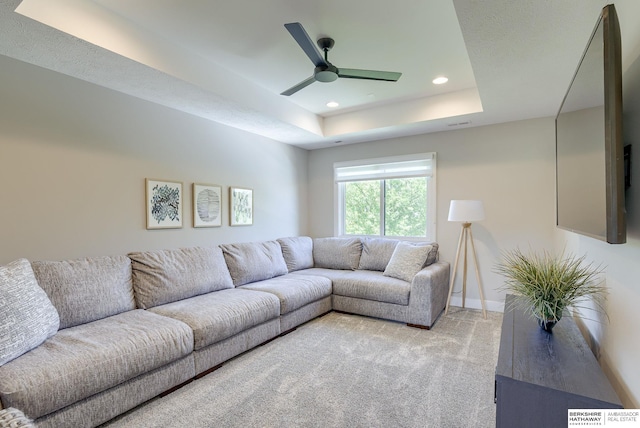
(109, 333)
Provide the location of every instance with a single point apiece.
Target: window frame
(430, 174)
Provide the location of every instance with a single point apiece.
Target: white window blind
(421, 165)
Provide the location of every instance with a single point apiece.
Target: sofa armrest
(428, 295)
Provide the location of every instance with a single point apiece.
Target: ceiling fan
(325, 71)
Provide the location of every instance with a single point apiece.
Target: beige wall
(74, 157)
(510, 167)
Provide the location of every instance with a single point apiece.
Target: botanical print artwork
(241, 206)
(207, 205)
(164, 204)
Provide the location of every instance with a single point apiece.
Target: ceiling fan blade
(308, 46)
(292, 90)
(352, 73)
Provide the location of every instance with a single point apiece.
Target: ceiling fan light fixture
(326, 76)
(440, 80)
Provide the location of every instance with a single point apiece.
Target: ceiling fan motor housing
(326, 74)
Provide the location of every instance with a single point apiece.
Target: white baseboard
(490, 305)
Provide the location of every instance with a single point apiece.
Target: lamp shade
(466, 211)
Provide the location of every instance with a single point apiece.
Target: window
(392, 197)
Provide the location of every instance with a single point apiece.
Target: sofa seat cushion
(294, 291)
(326, 272)
(372, 285)
(216, 316)
(81, 361)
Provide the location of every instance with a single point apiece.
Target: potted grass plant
(547, 285)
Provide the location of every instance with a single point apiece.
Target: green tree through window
(406, 207)
(362, 208)
(399, 204)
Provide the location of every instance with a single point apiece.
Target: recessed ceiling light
(440, 80)
(332, 104)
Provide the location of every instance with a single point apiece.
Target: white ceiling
(228, 61)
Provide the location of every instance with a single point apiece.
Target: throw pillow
(433, 254)
(27, 316)
(337, 253)
(407, 260)
(12, 417)
(376, 253)
(297, 252)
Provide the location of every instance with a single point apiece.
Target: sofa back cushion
(297, 252)
(27, 317)
(337, 253)
(87, 289)
(165, 276)
(254, 261)
(376, 253)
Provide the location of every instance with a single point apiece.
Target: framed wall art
(240, 206)
(207, 205)
(164, 204)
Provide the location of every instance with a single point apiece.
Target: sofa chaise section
(193, 285)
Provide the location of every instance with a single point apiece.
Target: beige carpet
(346, 371)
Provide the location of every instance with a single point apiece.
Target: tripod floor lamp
(466, 212)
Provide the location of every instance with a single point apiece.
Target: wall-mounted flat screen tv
(589, 147)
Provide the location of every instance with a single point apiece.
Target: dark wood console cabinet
(540, 376)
